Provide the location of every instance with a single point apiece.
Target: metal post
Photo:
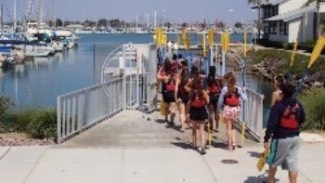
(124, 78)
(223, 66)
(58, 113)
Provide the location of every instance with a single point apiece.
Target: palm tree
(258, 4)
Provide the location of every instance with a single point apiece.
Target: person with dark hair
(283, 128)
(277, 94)
(162, 76)
(214, 89)
(230, 101)
(198, 114)
(183, 98)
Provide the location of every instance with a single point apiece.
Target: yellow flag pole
(294, 51)
(317, 50)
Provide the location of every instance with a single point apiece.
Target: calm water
(37, 83)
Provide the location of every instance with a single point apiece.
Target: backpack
(232, 98)
(290, 117)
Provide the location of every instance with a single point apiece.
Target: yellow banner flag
(245, 44)
(317, 50)
(294, 51)
(164, 39)
(225, 41)
(210, 38)
(157, 36)
(187, 42)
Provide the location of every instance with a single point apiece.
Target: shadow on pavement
(254, 154)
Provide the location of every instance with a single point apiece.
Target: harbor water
(38, 82)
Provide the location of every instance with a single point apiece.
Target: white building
(290, 20)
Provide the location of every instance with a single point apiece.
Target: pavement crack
(35, 165)
(4, 154)
(209, 169)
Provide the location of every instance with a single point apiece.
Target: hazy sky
(175, 10)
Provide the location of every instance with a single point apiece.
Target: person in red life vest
(199, 99)
(214, 89)
(283, 127)
(183, 97)
(162, 75)
(170, 94)
(230, 101)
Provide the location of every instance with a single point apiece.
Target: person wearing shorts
(198, 111)
(283, 128)
(229, 102)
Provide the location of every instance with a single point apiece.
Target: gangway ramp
(135, 129)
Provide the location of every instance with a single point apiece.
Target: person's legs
(202, 136)
(212, 117)
(194, 133)
(272, 172)
(293, 176)
(172, 110)
(182, 116)
(229, 128)
(233, 134)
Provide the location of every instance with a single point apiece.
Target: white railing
(84, 108)
(252, 114)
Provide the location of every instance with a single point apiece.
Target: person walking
(183, 98)
(198, 113)
(283, 128)
(214, 90)
(229, 102)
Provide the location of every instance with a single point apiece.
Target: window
(283, 28)
(273, 28)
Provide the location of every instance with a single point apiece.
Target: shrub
(43, 124)
(19, 120)
(314, 104)
(5, 104)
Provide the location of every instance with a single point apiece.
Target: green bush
(43, 124)
(19, 120)
(314, 104)
(5, 104)
(39, 123)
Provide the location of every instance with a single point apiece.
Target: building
(290, 20)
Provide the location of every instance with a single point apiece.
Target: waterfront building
(290, 20)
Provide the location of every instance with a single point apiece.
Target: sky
(173, 10)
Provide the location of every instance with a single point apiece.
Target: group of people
(199, 97)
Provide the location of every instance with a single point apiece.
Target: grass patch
(314, 104)
(283, 58)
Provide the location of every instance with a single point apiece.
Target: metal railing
(252, 114)
(84, 108)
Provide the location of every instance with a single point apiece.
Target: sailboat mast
(1, 18)
(53, 14)
(38, 5)
(15, 15)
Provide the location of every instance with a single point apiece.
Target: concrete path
(123, 150)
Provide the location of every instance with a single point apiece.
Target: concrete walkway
(132, 147)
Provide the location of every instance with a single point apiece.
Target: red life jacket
(232, 98)
(214, 88)
(170, 85)
(197, 102)
(290, 117)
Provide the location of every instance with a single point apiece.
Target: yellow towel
(163, 108)
(261, 161)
